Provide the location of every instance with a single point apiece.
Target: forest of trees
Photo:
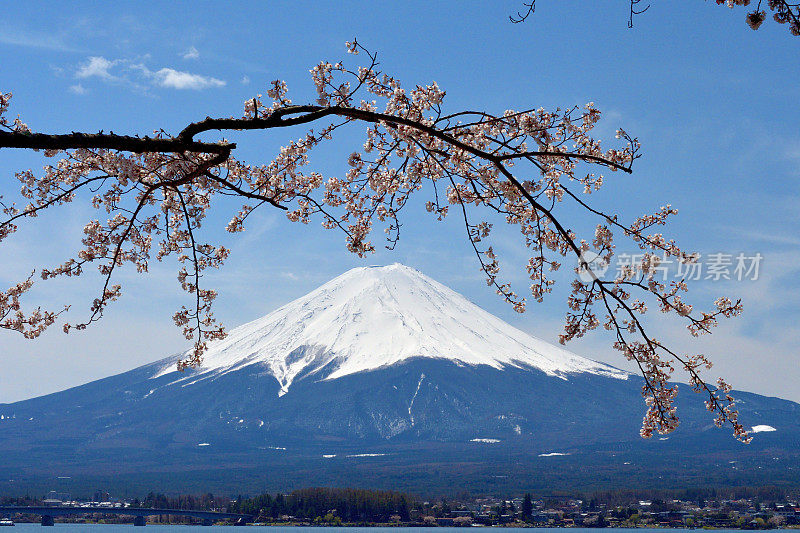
(184, 501)
(615, 498)
(346, 505)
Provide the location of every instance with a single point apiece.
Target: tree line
(346, 505)
(659, 497)
(203, 502)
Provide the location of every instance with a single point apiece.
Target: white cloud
(191, 53)
(767, 237)
(77, 89)
(127, 73)
(43, 40)
(176, 79)
(245, 80)
(98, 67)
(761, 428)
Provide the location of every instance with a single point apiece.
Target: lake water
(119, 528)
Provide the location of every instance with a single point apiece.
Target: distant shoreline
(392, 525)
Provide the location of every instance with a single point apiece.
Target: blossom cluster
(145, 196)
(784, 13)
(16, 125)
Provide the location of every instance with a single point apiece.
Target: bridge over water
(139, 514)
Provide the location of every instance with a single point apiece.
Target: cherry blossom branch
(108, 141)
(409, 143)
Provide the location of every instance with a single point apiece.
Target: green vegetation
(328, 505)
(707, 508)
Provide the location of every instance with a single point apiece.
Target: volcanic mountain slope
(389, 369)
(374, 317)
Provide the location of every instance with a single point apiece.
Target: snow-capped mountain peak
(372, 317)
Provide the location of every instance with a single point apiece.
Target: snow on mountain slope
(372, 317)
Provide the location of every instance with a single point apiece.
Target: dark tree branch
(109, 141)
(531, 7)
(785, 12)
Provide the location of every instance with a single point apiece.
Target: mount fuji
(381, 377)
(375, 317)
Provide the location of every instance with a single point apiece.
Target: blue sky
(713, 103)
